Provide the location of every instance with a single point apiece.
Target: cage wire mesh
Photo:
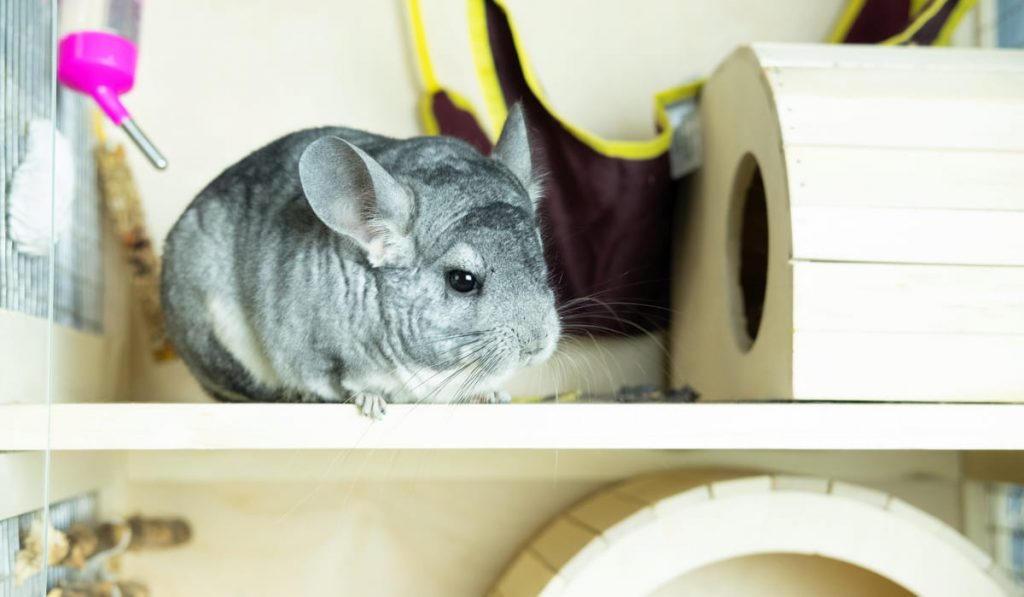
(82, 509)
(25, 87)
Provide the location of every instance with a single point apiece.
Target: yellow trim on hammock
(846, 20)
(487, 75)
(919, 22)
(430, 83)
(495, 100)
(916, 6)
(946, 33)
(920, 12)
(419, 36)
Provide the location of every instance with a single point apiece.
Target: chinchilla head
(452, 238)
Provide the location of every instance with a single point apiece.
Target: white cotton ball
(29, 203)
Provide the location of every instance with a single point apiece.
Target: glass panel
(27, 142)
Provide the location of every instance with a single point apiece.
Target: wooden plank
(567, 546)
(954, 237)
(652, 489)
(916, 59)
(560, 541)
(947, 533)
(800, 483)
(879, 83)
(784, 426)
(867, 495)
(529, 576)
(905, 177)
(611, 514)
(936, 123)
(913, 367)
(904, 298)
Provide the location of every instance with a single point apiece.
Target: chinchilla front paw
(371, 405)
(499, 397)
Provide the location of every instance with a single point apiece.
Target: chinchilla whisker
(583, 302)
(475, 351)
(422, 382)
(607, 360)
(576, 367)
(597, 328)
(472, 334)
(443, 385)
(610, 315)
(477, 374)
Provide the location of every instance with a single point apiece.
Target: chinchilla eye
(462, 281)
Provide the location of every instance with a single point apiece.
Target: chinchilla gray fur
(331, 265)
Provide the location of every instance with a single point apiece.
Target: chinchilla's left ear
(355, 196)
(513, 150)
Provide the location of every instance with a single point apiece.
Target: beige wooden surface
(544, 426)
(894, 254)
(423, 523)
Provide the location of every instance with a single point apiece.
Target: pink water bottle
(102, 65)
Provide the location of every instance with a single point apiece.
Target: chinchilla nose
(543, 337)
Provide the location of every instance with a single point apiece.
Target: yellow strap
(495, 100)
(916, 6)
(419, 35)
(487, 75)
(946, 33)
(920, 21)
(430, 83)
(920, 12)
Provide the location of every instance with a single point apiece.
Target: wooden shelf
(803, 426)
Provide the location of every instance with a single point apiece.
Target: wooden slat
(904, 177)
(877, 83)
(902, 122)
(908, 235)
(921, 367)
(790, 55)
(561, 541)
(887, 298)
(529, 576)
(568, 426)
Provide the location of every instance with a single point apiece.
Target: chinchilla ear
(355, 196)
(513, 150)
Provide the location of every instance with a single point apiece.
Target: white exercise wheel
(636, 538)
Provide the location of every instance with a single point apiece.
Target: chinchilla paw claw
(498, 397)
(371, 405)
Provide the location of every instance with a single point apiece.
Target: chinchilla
(336, 265)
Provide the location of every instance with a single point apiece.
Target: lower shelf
(804, 426)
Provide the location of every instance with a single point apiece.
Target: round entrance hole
(748, 240)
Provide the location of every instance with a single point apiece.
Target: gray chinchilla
(336, 265)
